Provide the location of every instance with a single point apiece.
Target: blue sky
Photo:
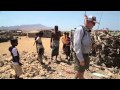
(66, 20)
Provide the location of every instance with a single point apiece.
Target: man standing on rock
(15, 58)
(40, 48)
(54, 43)
(36, 35)
(82, 46)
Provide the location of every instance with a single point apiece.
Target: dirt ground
(58, 70)
(26, 44)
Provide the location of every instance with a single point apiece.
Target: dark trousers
(64, 46)
(67, 50)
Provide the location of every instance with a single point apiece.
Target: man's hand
(82, 63)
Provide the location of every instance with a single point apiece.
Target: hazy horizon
(66, 20)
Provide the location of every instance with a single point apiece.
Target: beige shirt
(39, 42)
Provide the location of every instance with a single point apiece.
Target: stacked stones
(107, 48)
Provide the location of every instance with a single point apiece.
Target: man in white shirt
(40, 48)
(82, 46)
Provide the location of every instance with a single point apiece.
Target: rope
(84, 16)
(100, 20)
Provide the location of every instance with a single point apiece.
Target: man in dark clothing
(15, 58)
(54, 43)
(67, 48)
(36, 35)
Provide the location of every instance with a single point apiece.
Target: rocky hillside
(25, 27)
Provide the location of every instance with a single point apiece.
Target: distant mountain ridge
(26, 27)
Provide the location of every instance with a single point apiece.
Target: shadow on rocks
(67, 62)
(48, 68)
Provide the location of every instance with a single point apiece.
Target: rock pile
(32, 69)
(107, 48)
(60, 69)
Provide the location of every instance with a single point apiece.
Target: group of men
(81, 47)
(54, 44)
